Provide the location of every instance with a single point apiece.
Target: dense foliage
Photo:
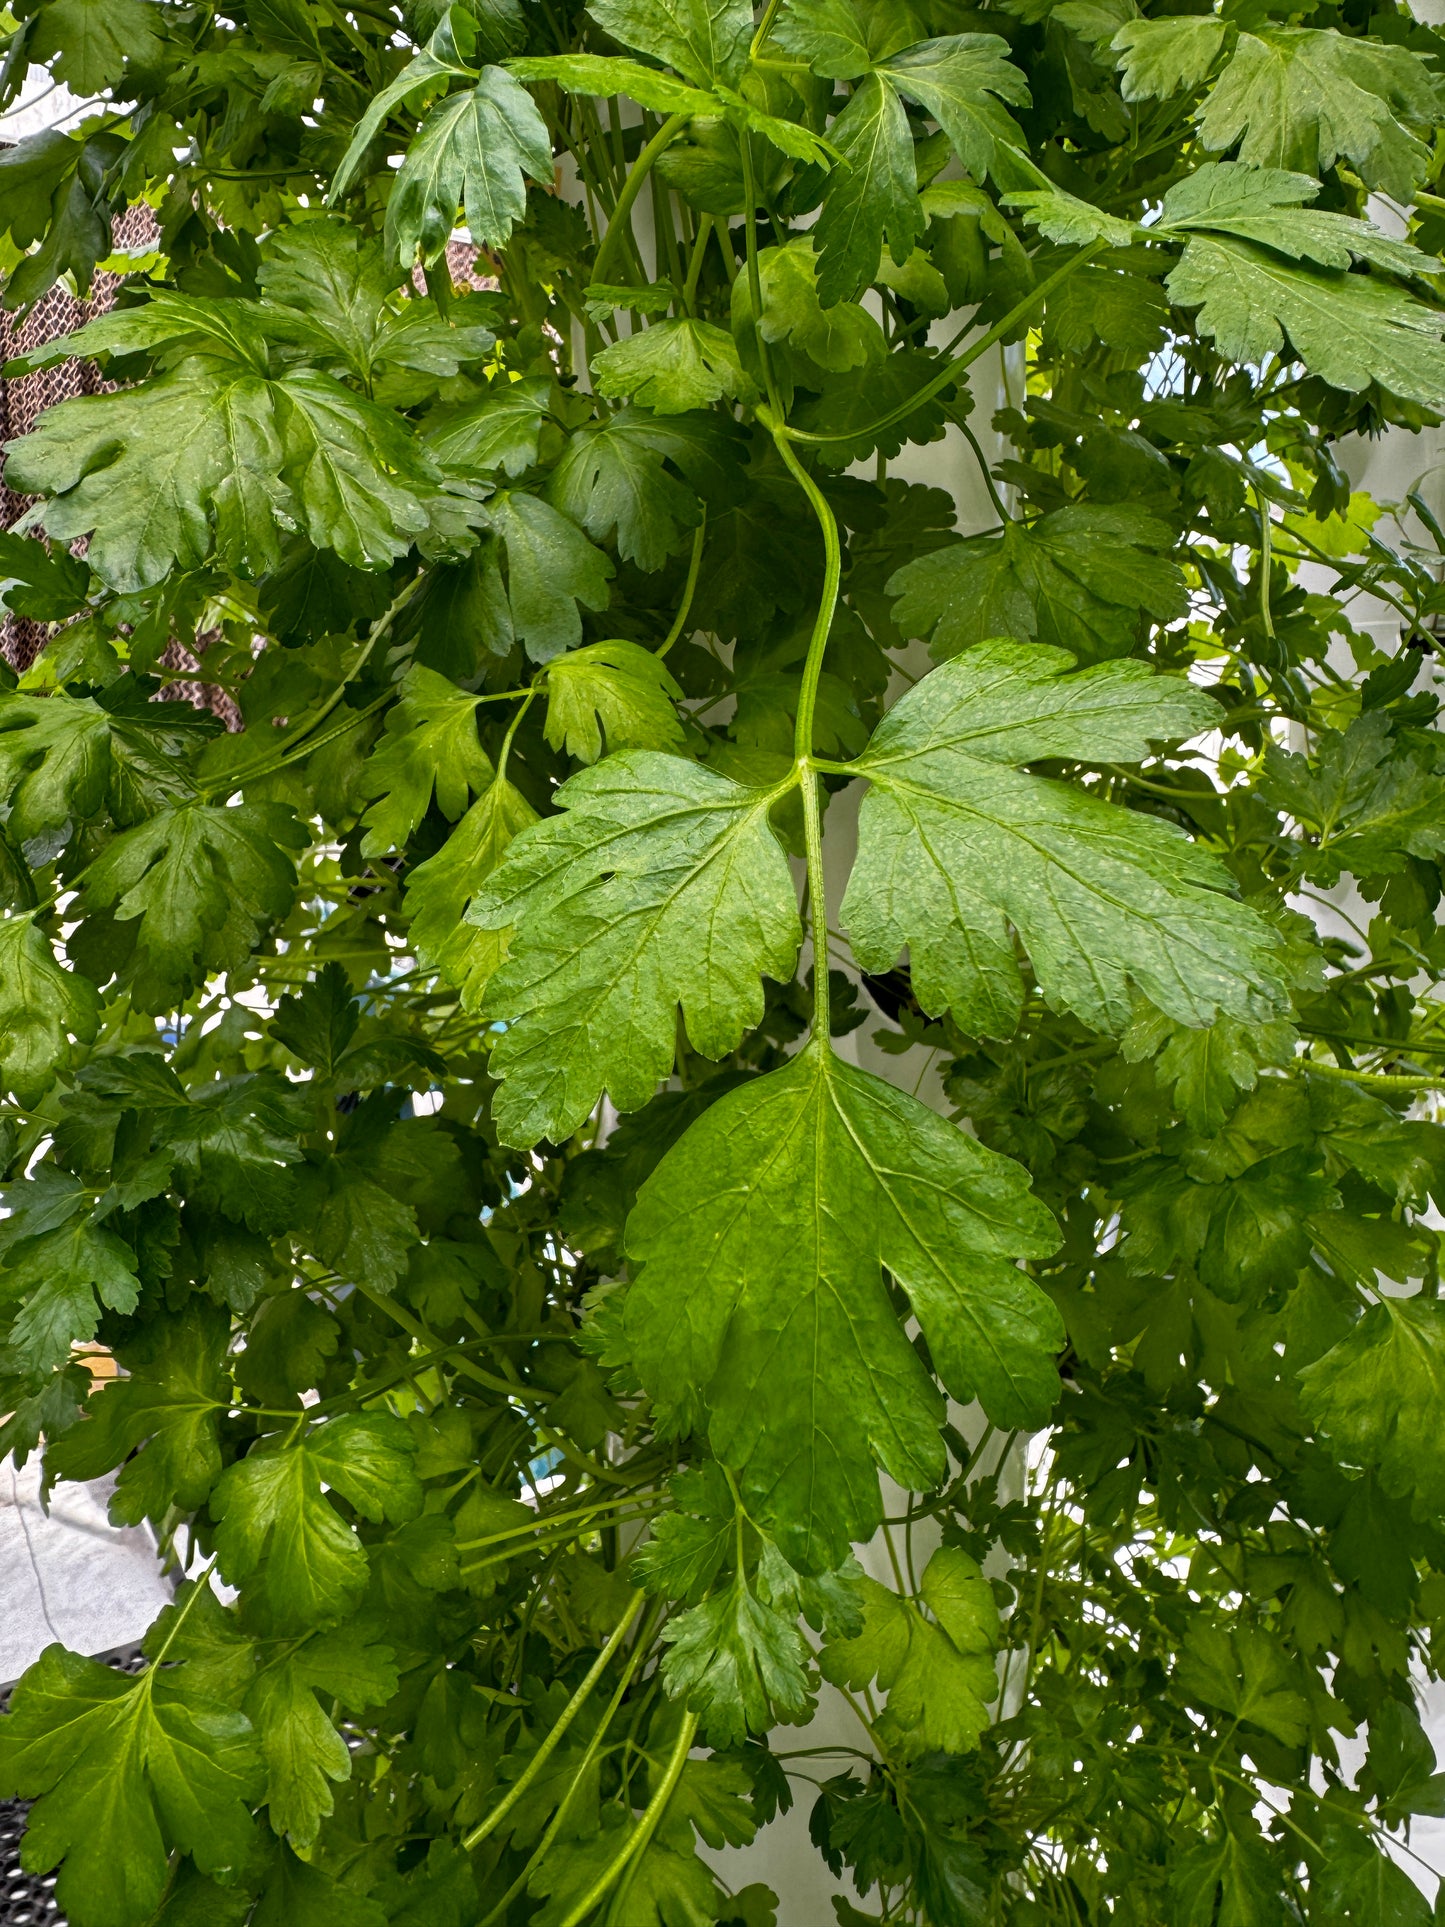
(425, 1089)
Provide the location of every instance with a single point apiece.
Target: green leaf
(938, 1673)
(473, 151)
(739, 1664)
(43, 1007)
(760, 1312)
(1247, 1675)
(956, 842)
(617, 687)
(62, 757)
(202, 881)
(1306, 97)
(1080, 578)
(658, 883)
(431, 745)
(89, 42)
(500, 431)
(838, 338)
(873, 196)
(303, 1751)
(705, 40)
(318, 1021)
(285, 1540)
(961, 80)
(673, 366)
(45, 584)
(616, 479)
(159, 1423)
(1379, 1397)
(1162, 58)
(1267, 206)
(61, 1273)
(605, 75)
(123, 1771)
(551, 568)
(440, 891)
(211, 455)
(138, 477)
(359, 1229)
(1348, 329)
(839, 40)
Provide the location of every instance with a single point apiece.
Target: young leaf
(1080, 578)
(659, 883)
(614, 686)
(673, 366)
(432, 745)
(956, 842)
(759, 1309)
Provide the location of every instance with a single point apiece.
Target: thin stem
(297, 742)
(1383, 1080)
(1266, 540)
(955, 367)
(679, 621)
(637, 1840)
(823, 621)
(993, 495)
(545, 1751)
(694, 266)
(755, 283)
(617, 226)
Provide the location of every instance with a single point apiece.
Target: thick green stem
(617, 226)
(554, 1739)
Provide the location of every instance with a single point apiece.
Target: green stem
(298, 742)
(617, 226)
(1384, 1080)
(694, 266)
(1266, 540)
(554, 1825)
(955, 367)
(803, 733)
(636, 1841)
(554, 1739)
(694, 566)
